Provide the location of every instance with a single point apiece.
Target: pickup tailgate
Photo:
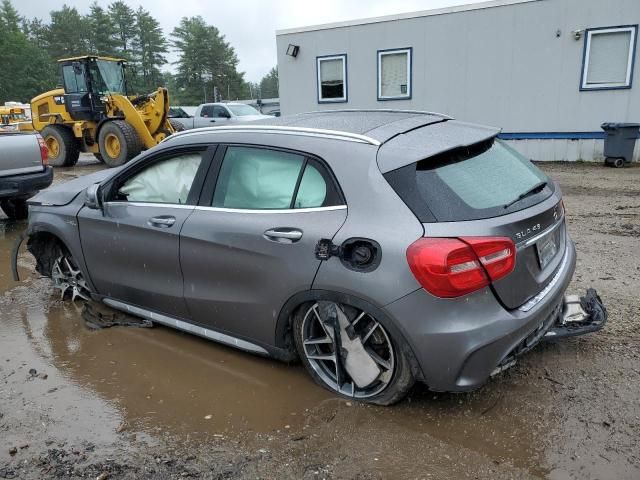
(19, 153)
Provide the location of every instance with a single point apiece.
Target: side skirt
(186, 327)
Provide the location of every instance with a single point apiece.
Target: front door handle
(163, 221)
(283, 235)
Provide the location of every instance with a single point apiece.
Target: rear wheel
(118, 142)
(15, 208)
(62, 146)
(316, 346)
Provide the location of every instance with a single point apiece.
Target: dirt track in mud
(155, 403)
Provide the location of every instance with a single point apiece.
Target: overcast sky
(249, 25)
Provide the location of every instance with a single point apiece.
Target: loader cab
(87, 80)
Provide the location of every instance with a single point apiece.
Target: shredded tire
(97, 316)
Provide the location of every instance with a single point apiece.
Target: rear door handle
(283, 235)
(163, 221)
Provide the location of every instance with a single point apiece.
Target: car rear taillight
(44, 152)
(452, 267)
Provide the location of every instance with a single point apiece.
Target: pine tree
(68, 33)
(124, 21)
(26, 69)
(149, 47)
(101, 38)
(206, 62)
(269, 84)
(9, 19)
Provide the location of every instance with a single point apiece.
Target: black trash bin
(619, 142)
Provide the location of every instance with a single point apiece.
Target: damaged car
(379, 247)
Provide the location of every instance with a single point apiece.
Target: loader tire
(62, 146)
(177, 126)
(118, 143)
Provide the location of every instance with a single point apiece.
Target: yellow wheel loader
(93, 113)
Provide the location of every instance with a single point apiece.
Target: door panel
(132, 252)
(240, 267)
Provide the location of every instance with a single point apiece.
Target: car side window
(207, 111)
(167, 181)
(219, 112)
(257, 178)
(261, 179)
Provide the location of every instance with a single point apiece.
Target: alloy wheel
(320, 351)
(68, 278)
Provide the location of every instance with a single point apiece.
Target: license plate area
(548, 247)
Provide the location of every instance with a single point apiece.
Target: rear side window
(470, 183)
(262, 179)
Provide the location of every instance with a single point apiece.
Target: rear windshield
(484, 180)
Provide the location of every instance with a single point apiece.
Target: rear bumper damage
(575, 316)
(579, 315)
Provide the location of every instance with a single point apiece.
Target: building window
(332, 78)
(394, 74)
(608, 58)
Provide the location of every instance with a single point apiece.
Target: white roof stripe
(403, 16)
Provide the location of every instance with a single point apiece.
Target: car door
(131, 246)
(205, 118)
(221, 116)
(250, 244)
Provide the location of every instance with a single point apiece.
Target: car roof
(379, 125)
(404, 136)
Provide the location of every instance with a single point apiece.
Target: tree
(9, 18)
(101, 32)
(37, 32)
(68, 33)
(206, 61)
(124, 21)
(149, 47)
(269, 84)
(26, 69)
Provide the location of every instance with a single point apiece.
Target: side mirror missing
(92, 197)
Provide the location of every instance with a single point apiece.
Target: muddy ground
(156, 403)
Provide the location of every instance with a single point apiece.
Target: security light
(292, 50)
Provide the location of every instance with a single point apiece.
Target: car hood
(64, 193)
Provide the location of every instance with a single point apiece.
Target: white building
(548, 72)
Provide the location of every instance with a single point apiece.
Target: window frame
(584, 86)
(210, 183)
(111, 187)
(322, 58)
(391, 51)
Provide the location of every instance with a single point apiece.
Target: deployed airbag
(168, 181)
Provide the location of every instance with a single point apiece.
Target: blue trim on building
(346, 75)
(552, 135)
(584, 58)
(378, 72)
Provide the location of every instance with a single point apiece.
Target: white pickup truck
(218, 114)
(23, 171)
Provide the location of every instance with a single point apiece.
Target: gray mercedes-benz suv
(380, 247)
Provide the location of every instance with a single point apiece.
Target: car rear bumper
(25, 184)
(459, 344)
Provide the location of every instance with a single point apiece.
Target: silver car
(379, 247)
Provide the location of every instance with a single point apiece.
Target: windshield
(109, 77)
(18, 116)
(485, 180)
(242, 110)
